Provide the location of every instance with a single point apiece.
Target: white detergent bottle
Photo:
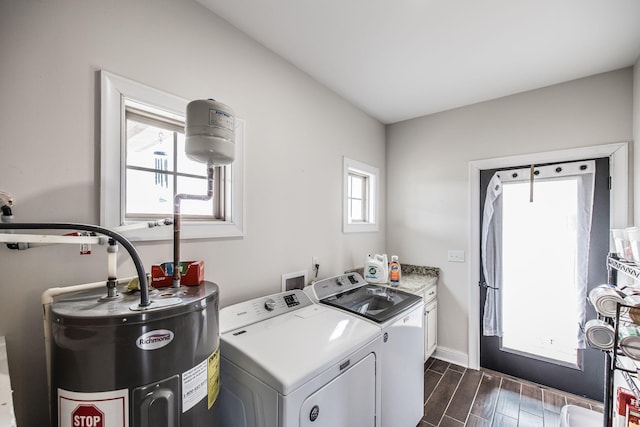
(376, 269)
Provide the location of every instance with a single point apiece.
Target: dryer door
(349, 400)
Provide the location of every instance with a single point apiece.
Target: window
(144, 165)
(360, 197)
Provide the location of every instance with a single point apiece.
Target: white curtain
(492, 257)
(584, 173)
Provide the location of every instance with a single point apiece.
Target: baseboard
(451, 356)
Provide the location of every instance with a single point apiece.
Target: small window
(360, 197)
(144, 165)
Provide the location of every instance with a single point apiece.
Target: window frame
(114, 91)
(371, 192)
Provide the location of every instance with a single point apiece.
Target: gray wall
(428, 172)
(296, 135)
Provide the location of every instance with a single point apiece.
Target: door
(537, 287)
(347, 401)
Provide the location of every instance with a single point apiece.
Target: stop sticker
(87, 416)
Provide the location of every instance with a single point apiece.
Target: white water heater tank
(210, 132)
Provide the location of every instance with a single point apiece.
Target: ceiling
(400, 59)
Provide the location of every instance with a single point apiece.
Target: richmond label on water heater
(154, 340)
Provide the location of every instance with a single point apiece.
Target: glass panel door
(539, 270)
(539, 326)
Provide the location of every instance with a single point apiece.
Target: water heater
(116, 365)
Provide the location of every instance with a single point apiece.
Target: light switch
(455, 256)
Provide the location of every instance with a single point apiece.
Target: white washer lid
(286, 351)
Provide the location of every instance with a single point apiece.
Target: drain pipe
(142, 277)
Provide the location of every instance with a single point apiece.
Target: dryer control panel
(338, 284)
(259, 309)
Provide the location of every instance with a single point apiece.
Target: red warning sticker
(103, 409)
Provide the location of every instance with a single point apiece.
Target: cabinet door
(430, 329)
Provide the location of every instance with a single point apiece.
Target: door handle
(483, 284)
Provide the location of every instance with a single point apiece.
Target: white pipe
(24, 246)
(35, 240)
(140, 225)
(49, 294)
(112, 262)
(47, 300)
(49, 239)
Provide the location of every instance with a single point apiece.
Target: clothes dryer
(287, 362)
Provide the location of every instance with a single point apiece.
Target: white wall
(427, 171)
(297, 132)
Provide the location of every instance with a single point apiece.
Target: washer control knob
(270, 304)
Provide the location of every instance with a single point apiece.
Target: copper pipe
(177, 200)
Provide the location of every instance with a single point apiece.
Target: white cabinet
(430, 321)
(423, 281)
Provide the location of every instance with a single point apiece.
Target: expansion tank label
(221, 119)
(103, 409)
(194, 385)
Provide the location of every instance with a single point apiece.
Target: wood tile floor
(456, 397)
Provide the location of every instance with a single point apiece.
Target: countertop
(7, 417)
(414, 277)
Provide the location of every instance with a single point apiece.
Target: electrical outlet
(455, 256)
(314, 261)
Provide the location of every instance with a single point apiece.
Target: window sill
(360, 228)
(193, 230)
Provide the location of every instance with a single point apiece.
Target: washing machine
(287, 362)
(399, 315)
